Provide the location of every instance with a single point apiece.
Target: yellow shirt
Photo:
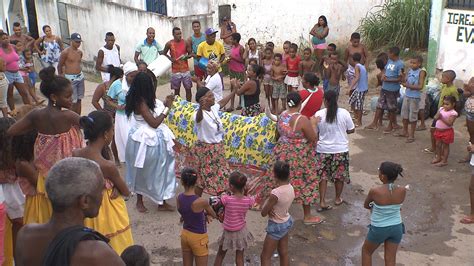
(447, 91)
(212, 52)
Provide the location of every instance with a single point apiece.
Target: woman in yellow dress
(58, 135)
(112, 220)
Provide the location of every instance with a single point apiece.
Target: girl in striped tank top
(235, 237)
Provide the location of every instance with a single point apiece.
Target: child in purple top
(194, 212)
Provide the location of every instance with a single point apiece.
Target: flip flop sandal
(340, 203)
(410, 140)
(313, 221)
(427, 150)
(420, 128)
(323, 209)
(466, 220)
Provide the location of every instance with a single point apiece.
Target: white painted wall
(138, 4)
(280, 20)
(457, 43)
(47, 14)
(187, 7)
(128, 25)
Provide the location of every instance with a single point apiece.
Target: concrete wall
(128, 24)
(47, 14)
(280, 20)
(456, 44)
(187, 7)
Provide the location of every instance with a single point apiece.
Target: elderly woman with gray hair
(74, 186)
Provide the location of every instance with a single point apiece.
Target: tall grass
(404, 23)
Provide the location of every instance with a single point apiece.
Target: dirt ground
(437, 199)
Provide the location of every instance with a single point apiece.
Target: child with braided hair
(235, 237)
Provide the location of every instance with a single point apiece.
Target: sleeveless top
(385, 215)
(195, 43)
(315, 40)
(53, 51)
(111, 57)
(253, 99)
(62, 247)
(268, 70)
(254, 55)
(11, 59)
(293, 64)
(194, 222)
(236, 63)
(363, 84)
(287, 134)
(178, 49)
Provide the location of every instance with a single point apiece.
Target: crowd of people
(61, 182)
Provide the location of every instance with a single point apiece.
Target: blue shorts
(278, 230)
(379, 235)
(32, 76)
(14, 77)
(325, 84)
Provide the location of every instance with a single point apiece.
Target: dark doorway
(224, 11)
(32, 20)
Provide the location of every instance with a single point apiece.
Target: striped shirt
(235, 211)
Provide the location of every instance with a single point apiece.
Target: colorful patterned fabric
(248, 141)
(293, 148)
(48, 150)
(333, 166)
(212, 167)
(252, 110)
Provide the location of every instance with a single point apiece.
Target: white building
(265, 20)
(451, 43)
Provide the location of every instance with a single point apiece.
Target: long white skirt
(122, 127)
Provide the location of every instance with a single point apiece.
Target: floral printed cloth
(248, 141)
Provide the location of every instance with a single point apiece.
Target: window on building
(461, 4)
(63, 22)
(156, 6)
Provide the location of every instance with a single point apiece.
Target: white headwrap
(127, 69)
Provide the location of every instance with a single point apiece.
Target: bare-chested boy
(354, 47)
(307, 64)
(334, 72)
(280, 90)
(70, 67)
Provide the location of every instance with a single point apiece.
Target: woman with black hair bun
(149, 152)
(112, 220)
(58, 135)
(386, 225)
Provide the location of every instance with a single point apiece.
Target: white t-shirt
(214, 83)
(210, 129)
(333, 137)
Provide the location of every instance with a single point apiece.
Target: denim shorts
(392, 233)
(278, 230)
(14, 77)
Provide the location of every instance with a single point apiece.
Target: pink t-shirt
(235, 211)
(445, 114)
(285, 195)
(11, 59)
